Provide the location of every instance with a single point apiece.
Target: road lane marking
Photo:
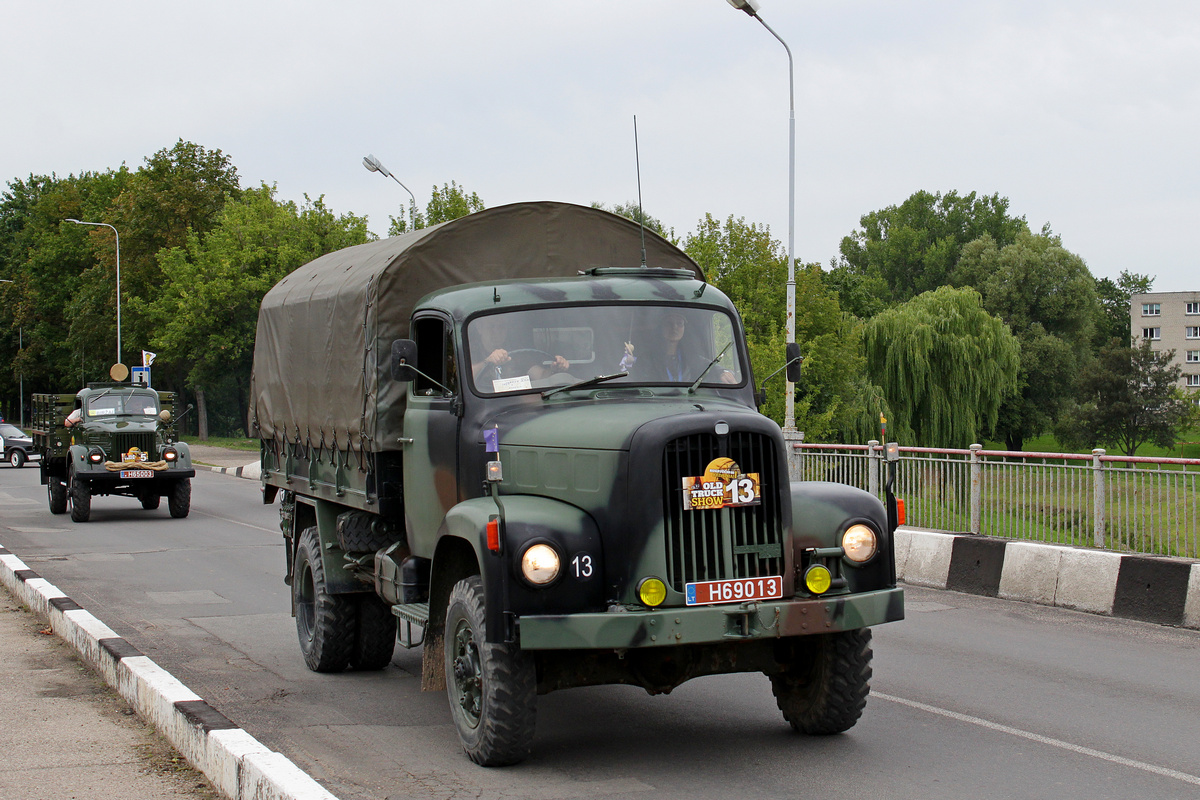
(235, 522)
(1036, 737)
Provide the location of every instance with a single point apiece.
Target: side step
(408, 615)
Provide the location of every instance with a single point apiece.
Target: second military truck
(111, 439)
(503, 438)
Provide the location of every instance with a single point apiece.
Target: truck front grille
(709, 545)
(123, 442)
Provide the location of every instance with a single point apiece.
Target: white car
(18, 446)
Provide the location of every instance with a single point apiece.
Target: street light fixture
(751, 8)
(114, 230)
(375, 165)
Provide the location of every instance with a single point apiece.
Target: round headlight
(170, 454)
(95, 456)
(652, 592)
(540, 564)
(818, 579)
(859, 543)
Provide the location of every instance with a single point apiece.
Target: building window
(1151, 309)
(1191, 308)
(1193, 357)
(1192, 331)
(1154, 334)
(1193, 380)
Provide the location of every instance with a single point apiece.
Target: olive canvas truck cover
(614, 518)
(325, 331)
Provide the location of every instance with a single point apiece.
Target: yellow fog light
(652, 592)
(859, 543)
(540, 564)
(818, 579)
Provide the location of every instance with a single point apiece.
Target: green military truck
(111, 439)
(500, 438)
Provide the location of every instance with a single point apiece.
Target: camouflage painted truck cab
(551, 467)
(120, 440)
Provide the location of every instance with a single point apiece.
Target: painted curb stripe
(1152, 589)
(1156, 589)
(239, 766)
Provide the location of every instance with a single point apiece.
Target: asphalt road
(972, 697)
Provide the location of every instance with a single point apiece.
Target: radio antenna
(641, 214)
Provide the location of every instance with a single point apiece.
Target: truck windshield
(542, 348)
(121, 402)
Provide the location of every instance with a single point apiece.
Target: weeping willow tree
(944, 365)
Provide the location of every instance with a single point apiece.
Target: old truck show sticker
(723, 485)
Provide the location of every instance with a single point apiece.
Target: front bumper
(104, 476)
(667, 627)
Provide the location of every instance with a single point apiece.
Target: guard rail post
(874, 466)
(1099, 513)
(976, 489)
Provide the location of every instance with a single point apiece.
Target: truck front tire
(825, 692)
(325, 623)
(56, 492)
(492, 686)
(80, 493)
(179, 499)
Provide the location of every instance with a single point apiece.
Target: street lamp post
(375, 165)
(114, 230)
(751, 8)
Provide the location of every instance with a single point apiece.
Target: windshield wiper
(716, 358)
(585, 383)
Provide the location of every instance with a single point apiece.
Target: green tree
(743, 261)
(1130, 397)
(1045, 294)
(450, 202)
(944, 365)
(905, 250)
(204, 316)
(1112, 324)
(180, 189)
(835, 400)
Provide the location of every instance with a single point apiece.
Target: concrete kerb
(239, 766)
(1082, 579)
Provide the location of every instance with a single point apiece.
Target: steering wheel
(525, 355)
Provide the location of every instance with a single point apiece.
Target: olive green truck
(502, 439)
(111, 439)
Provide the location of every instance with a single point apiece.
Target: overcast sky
(1085, 115)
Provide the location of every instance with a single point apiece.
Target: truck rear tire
(56, 492)
(80, 493)
(150, 500)
(325, 623)
(17, 458)
(492, 687)
(179, 498)
(827, 691)
(375, 639)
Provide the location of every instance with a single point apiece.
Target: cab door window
(435, 358)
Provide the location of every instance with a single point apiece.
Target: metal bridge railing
(1135, 504)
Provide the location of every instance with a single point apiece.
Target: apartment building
(1171, 321)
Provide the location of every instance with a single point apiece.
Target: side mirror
(793, 362)
(404, 360)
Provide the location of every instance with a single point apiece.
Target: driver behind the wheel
(493, 332)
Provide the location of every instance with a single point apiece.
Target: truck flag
(148, 358)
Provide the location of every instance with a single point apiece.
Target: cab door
(432, 418)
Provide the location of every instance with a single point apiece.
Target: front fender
(529, 520)
(822, 511)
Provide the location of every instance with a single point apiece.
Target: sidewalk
(67, 735)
